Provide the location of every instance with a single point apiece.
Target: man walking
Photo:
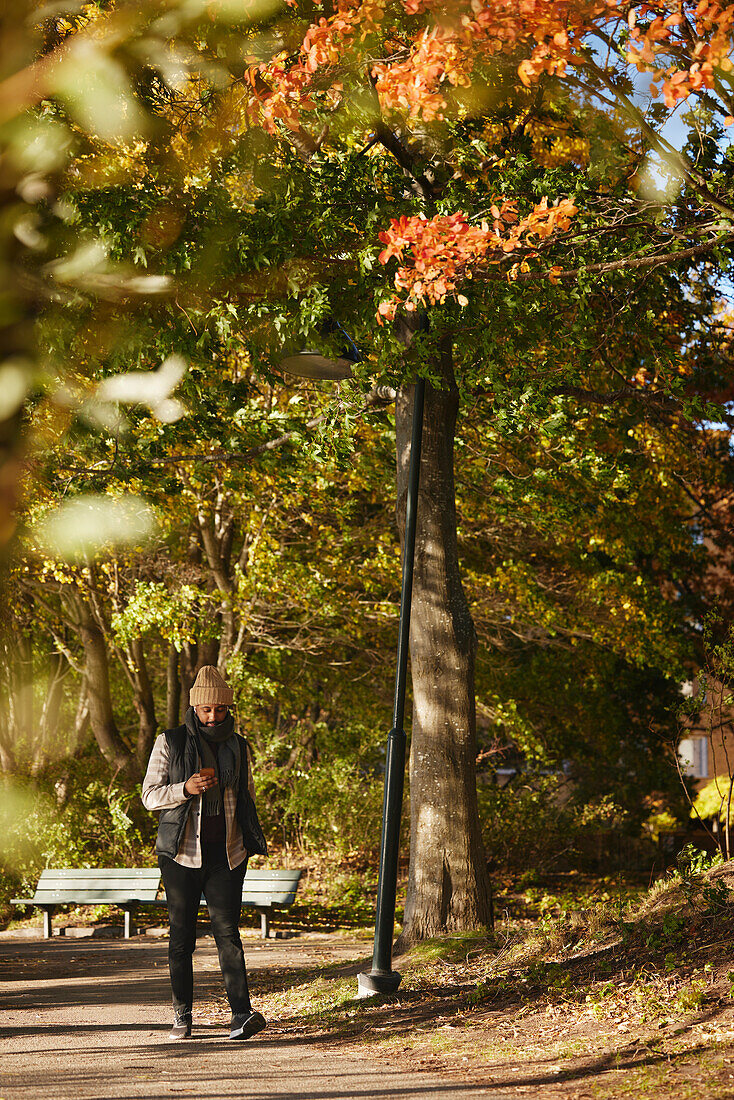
(199, 778)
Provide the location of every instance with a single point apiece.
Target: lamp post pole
(382, 978)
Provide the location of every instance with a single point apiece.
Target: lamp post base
(374, 982)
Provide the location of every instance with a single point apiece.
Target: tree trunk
(81, 718)
(188, 663)
(448, 885)
(173, 689)
(144, 704)
(47, 746)
(24, 708)
(216, 536)
(8, 764)
(101, 715)
(208, 653)
(63, 787)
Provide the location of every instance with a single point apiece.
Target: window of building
(693, 753)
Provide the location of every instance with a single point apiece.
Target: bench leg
(265, 923)
(128, 917)
(47, 914)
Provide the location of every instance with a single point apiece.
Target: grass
(319, 1000)
(587, 1000)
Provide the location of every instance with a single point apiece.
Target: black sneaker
(181, 1026)
(246, 1024)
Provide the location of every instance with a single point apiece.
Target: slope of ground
(609, 1002)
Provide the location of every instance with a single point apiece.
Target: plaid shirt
(160, 794)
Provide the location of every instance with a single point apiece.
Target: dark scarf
(226, 761)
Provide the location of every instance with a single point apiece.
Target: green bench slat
(99, 884)
(268, 899)
(265, 884)
(95, 885)
(100, 872)
(96, 888)
(267, 888)
(252, 875)
(126, 887)
(270, 887)
(63, 897)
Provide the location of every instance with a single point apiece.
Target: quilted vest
(183, 761)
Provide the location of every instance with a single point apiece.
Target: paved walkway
(84, 1019)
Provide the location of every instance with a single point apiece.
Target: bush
(530, 826)
(320, 788)
(524, 826)
(101, 827)
(335, 808)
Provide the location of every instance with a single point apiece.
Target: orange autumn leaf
(680, 43)
(437, 254)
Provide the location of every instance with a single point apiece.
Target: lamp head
(311, 364)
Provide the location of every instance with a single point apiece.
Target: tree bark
(24, 708)
(47, 746)
(217, 532)
(8, 763)
(188, 664)
(144, 704)
(64, 785)
(101, 714)
(209, 651)
(448, 885)
(81, 718)
(173, 689)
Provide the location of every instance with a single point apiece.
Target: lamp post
(382, 978)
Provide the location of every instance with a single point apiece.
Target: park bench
(130, 887)
(265, 890)
(126, 887)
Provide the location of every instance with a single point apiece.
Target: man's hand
(200, 782)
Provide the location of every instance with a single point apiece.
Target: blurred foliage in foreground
(214, 514)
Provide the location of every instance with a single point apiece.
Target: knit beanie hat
(209, 689)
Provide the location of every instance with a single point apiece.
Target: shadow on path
(89, 1021)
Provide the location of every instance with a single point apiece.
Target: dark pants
(222, 889)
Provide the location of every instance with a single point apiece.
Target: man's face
(211, 716)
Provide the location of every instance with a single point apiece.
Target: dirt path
(89, 1018)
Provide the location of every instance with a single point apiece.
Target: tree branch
(390, 141)
(668, 152)
(613, 397)
(380, 395)
(618, 265)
